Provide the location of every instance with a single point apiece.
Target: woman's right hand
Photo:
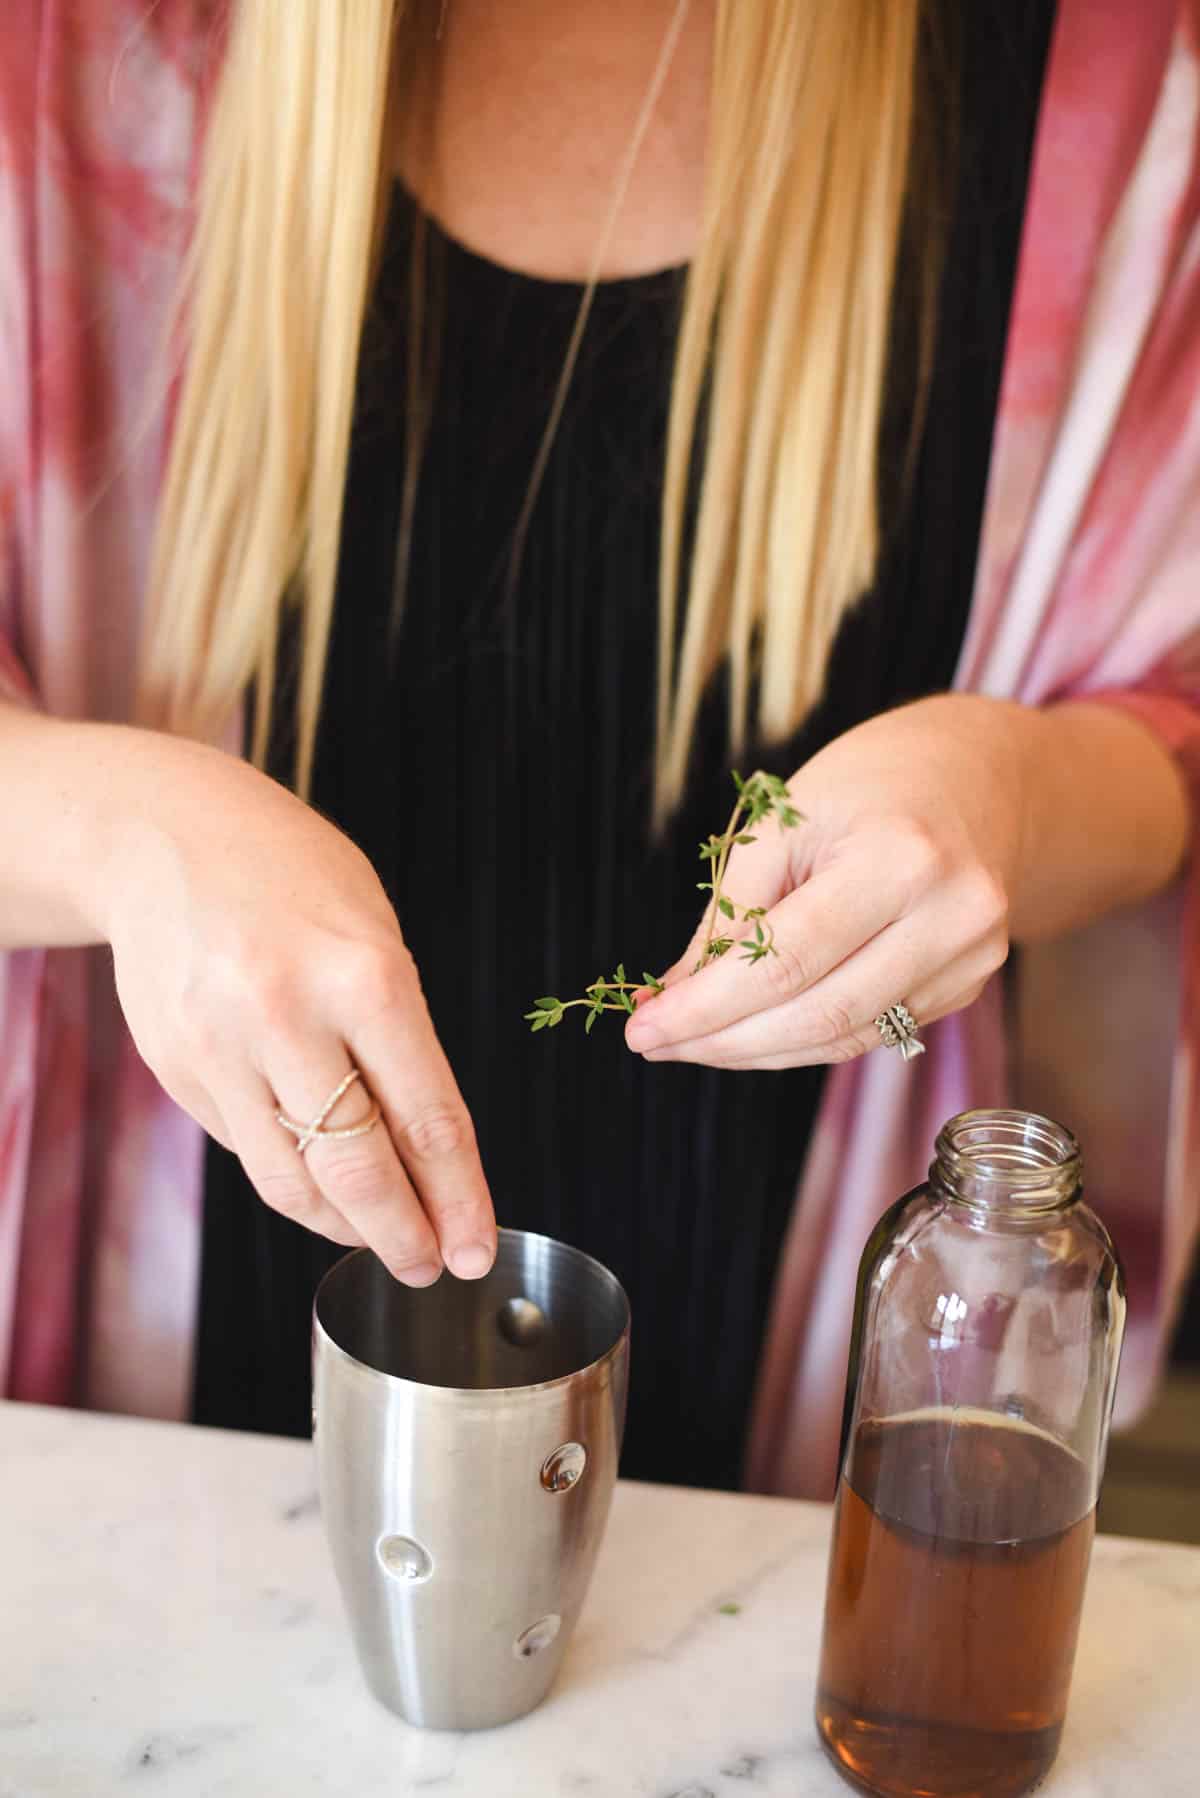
(258, 960)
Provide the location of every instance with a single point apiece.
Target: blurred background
(1152, 1487)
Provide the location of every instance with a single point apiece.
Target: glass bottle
(987, 1334)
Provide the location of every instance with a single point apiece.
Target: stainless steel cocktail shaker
(467, 1438)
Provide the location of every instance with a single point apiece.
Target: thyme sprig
(603, 995)
(759, 798)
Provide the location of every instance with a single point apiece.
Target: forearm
(63, 786)
(1106, 817)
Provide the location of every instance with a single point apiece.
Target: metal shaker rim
(603, 1279)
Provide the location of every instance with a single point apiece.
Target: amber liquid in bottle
(959, 1563)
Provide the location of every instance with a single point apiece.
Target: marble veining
(300, 1508)
(170, 1624)
(166, 1749)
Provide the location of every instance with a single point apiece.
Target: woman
(489, 312)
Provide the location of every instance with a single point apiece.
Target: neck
(565, 141)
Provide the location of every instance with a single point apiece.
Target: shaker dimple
(565, 1467)
(538, 1636)
(521, 1322)
(404, 1559)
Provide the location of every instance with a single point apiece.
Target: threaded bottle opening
(1008, 1161)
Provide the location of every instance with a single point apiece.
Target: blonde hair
(780, 366)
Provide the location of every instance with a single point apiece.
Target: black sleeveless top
(497, 770)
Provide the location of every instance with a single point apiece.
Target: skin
(535, 106)
(934, 838)
(255, 951)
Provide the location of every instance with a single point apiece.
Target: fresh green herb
(761, 797)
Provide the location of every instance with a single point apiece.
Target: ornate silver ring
(898, 1030)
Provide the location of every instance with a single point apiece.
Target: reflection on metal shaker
(467, 1438)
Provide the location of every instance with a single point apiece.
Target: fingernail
(426, 1273)
(640, 1035)
(472, 1261)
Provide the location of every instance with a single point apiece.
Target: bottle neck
(1007, 1164)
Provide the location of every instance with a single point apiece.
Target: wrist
(1110, 817)
(159, 791)
(53, 816)
(996, 748)
(97, 792)
(83, 805)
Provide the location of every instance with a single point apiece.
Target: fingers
(411, 1188)
(360, 1178)
(405, 1067)
(897, 916)
(280, 1174)
(834, 1020)
(816, 927)
(757, 876)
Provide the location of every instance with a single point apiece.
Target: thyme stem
(760, 797)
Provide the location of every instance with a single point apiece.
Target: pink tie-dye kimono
(1089, 582)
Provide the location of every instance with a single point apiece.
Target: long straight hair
(780, 367)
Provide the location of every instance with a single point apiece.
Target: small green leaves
(730, 1609)
(764, 796)
(602, 995)
(759, 796)
(546, 1014)
(763, 944)
(595, 1000)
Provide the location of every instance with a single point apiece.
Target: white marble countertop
(170, 1625)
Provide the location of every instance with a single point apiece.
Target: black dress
(497, 768)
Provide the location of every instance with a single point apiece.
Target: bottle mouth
(1008, 1160)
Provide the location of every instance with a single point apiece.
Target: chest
(532, 110)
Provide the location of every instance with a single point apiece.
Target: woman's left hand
(895, 888)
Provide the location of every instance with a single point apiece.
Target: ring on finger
(898, 1029)
(306, 1134)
